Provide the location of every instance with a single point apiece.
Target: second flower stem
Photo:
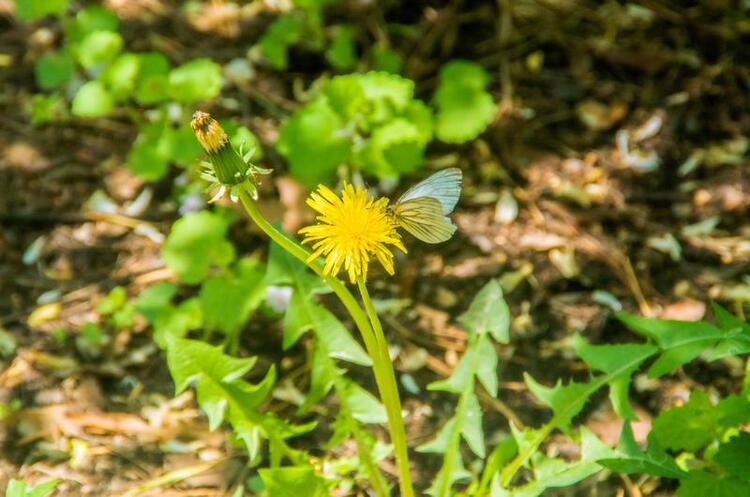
(390, 396)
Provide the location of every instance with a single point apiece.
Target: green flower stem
(374, 340)
(390, 395)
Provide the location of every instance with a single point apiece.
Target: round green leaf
(197, 80)
(99, 47)
(92, 100)
(53, 69)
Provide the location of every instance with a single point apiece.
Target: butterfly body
(423, 209)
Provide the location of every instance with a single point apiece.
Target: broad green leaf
(48, 108)
(293, 482)
(342, 52)
(31, 10)
(230, 299)
(462, 376)
(688, 427)
(395, 148)
(488, 312)
(364, 407)
(53, 69)
(16, 488)
(312, 142)
(630, 459)
(346, 96)
(322, 374)
(153, 80)
(487, 365)
(621, 358)
(98, 47)
(734, 456)
(440, 442)
(732, 411)
(386, 60)
(42, 489)
(92, 100)
(195, 243)
(154, 299)
(565, 400)
(680, 341)
(464, 107)
(388, 94)
(704, 484)
(92, 18)
(286, 30)
(305, 314)
(284, 269)
(471, 429)
(121, 76)
(197, 80)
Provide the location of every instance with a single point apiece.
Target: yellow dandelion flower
(350, 230)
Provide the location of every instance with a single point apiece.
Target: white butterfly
(423, 210)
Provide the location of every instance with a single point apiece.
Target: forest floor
(615, 176)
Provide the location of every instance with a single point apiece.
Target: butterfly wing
(423, 217)
(444, 186)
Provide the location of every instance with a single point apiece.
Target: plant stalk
(390, 395)
(373, 338)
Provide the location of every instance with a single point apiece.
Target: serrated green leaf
(680, 341)
(565, 400)
(688, 427)
(292, 482)
(312, 142)
(630, 459)
(488, 312)
(92, 100)
(736, 340)
(623, 358)
(556, 473)
(223, 395)
(465, 108)
(195, 243)
(197, 80)
(53, 69)
(733, 456)
(704, 484)
(455, 474)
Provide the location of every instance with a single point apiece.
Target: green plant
(19, 488)
(697, 444)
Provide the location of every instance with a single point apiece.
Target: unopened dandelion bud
(228, 166)
(227, 171)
